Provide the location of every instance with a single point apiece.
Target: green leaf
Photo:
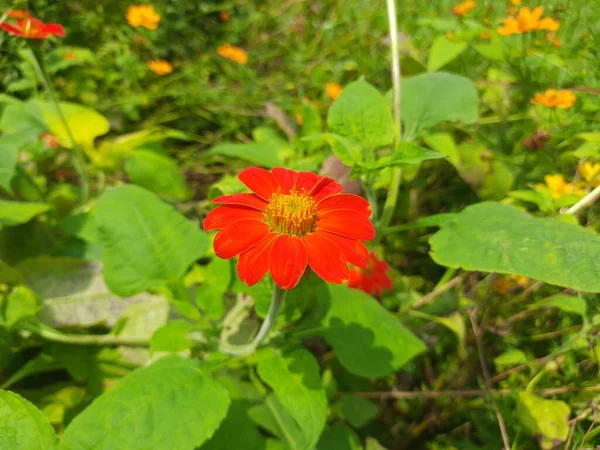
(543, 418)
(147, 244)
(346, 149)
(237, 431)
(368, 340)
(358, 411)
(362, 114)
(493, 237)
(23, 426)
(9, 152)
(23, 119)
(339, 437)
(443, 51)
(432, 98)
(510, 358)
(209, 296)
(16, 213)
(172, 337)
(265, 154)
(41, 363)
(20, 304)
(157, 173)
(566, 303)
(84, 123)
(170, 404)
(406, 153)
(373, 444)
(294, 377)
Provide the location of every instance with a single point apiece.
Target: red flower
(32, 28)
(372, 280)
(293, 219)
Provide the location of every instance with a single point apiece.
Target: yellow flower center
(294, 213)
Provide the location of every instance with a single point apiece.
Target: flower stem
(274, 308)
(392, 197)
(78, 156)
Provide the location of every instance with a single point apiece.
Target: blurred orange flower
(160, 66)
(224, 16)
(554, 99)
(49, 140)
(234, 53)
(333, 90)
(505, 286)
(484, 35)
(555, 41)
(32, 28)
(528, 20)
(590, 172)
(516, 2)
(142, 16)
(17, 14)
(374, 279)
(558, 186)
(463, 8)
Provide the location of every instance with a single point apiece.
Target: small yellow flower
(463, 8)
(160, 66)
(516, 2)
(234, 53)
(558, 186)
(590, 172)
(142, 16)
(520, 280)
(554, 99)
(548, 23)
(527, 20)
(333, 90)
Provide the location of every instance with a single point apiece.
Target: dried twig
(433, 294)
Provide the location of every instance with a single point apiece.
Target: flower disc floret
(294, 213)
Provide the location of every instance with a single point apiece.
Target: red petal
(11, 29)
(223, 216)
(288, 260)
(326, 259)
(345, 201)
(254, 264)
(286, 178)
(326, 187)
(239, 237)
(354, 251)
(306, 181)
(251, 200)
(55, 29)
(259, 181)
(347, 223)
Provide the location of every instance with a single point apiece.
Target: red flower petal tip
(373, 279)
(32, 28)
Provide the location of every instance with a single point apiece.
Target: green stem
(87, 339)
(274, 308)
(78, 155)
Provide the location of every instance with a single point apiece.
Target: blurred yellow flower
(516, 2)
(528, 20)
(333, 90)
(554, 99)
(558, 186)
(505, 286)
(463, 8)
(234, 53)
(590, 172)
(160, 66)
(142, 16)
(484, 35)
(520, 280)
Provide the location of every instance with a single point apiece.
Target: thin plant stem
(87, 339)
(392, 197)
(586, 201)
(78, 156)
(274, 308)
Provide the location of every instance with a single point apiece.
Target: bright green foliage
(15, 213)
(9, 152)
(339, 437)
(265, 154)
(172, 337)
(493, 237)
(23, 426)
(237, 431)
(157, 173)
(544, 419)
(170, 404)
(20, 304)
(362, 114)
(367, 339)
(147, 244)
(443, 50)
(294, 377)
(358, 411)
(406, 153)
(566, 303)
(435, 97)
(209, 296)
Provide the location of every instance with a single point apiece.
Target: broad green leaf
(237, 431)
(286, 427)
(9, 152)
(141, 320)
(172, 337)
(345, 148)
(23, 426)
(493, 237)
(510, 358)
(265, 154)
(262, 415)
(157, 173)
(339, 437)
(432, 98)
(209, 295)
(294, 377)
(147, 244)
(566, 303)
(23, 119)
(493, 50)
(373, 444)
(543, 418)
(82, 226)
(443, 51)
(358, 411)
(20, 304)
(16, 213)
(84, 123)
(368, 340)
(41, 363)
(170, 404)
(406, 153)
(362, 114)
